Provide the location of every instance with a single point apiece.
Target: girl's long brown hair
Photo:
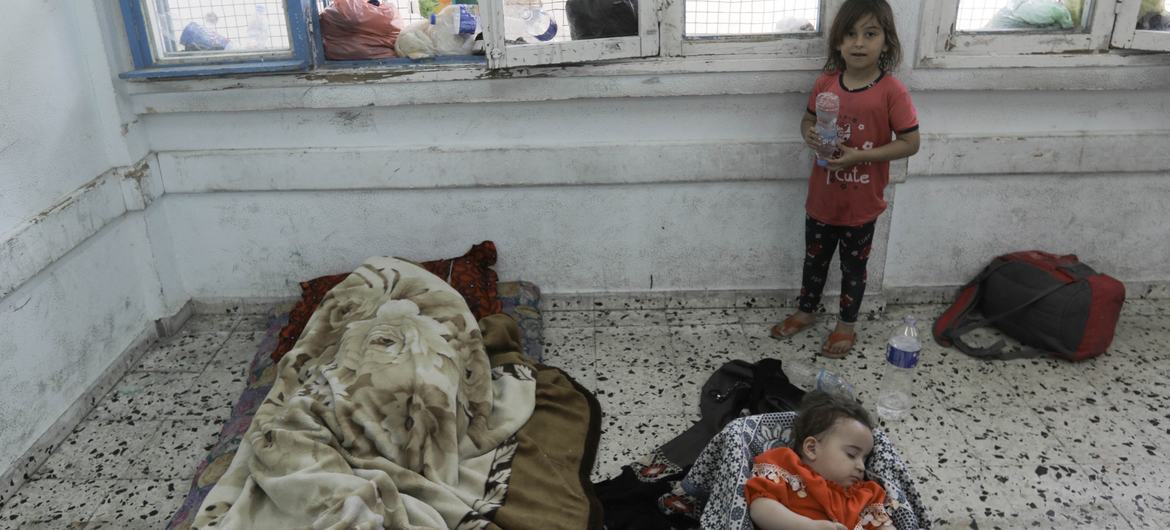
(850, 13)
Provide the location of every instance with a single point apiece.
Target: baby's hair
(818, 412)
(850, 13)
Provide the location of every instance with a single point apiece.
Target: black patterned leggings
(820, 240)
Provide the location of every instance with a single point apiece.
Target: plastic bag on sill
(1033, 14)
(197, 38)
(415, 42)
(453, 32)
(359, 29)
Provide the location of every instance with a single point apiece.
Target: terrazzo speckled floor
(1017, 444)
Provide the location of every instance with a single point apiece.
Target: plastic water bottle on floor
(828, 104)
(895, 397)
(808, 377)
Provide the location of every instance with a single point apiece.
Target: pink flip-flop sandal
(791, 326)
(838, 337)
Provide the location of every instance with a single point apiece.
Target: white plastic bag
(1043, 13)
(415, 41)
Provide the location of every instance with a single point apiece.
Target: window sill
(1114, 58)
(362, 84)
(387, 85)
(210, 70)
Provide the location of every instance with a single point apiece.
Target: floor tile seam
(591, 351)
(702, 308)
(591, 363)
(1075, 452)
(1044, 418)
(78, 477)
(1015, 502)
(1112, 502)
(685, 323)
(185, 473)
(968, 435)
(98, 504)
(170, 370)
(639, 325)
(155, 433)
(1086, 471)
(1124, 407)
(637, 360)
(193, 414)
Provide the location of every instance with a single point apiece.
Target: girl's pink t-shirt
(868, 117)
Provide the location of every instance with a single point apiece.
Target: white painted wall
(550, 181)
(59, 123)
(64, 327)
(563, 238)
(946, 229)
(77, 279)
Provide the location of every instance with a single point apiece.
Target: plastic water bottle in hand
(828, 104)
(896, 398)
(808, 377)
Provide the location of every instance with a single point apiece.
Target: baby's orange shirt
(779, 474)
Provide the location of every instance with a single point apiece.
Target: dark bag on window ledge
(595, 19)
(1051, 303)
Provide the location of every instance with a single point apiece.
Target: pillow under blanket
(470, 274)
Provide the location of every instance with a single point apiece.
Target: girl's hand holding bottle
(847, 157)
(811, 138)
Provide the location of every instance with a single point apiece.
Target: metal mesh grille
(247, 25)
(556, 8)
(750, 17)
(975, 14)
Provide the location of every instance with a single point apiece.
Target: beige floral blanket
(386, 414)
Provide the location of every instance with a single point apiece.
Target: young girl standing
(876, 123)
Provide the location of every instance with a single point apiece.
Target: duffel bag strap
(998, 350)
(947, 332)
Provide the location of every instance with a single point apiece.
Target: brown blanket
(388, 414)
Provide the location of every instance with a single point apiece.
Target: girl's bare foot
(792, 325)
(840, 341)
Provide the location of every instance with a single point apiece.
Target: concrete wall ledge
(38, 242)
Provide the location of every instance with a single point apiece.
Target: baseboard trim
(23, 468)
(167, 326)
(240, 305)
(945, 294)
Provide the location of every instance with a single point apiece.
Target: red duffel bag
(1053, 304)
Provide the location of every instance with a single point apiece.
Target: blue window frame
(186, 38)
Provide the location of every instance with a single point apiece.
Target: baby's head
(833, 434)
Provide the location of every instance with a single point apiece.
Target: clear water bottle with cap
(808, 377)
(457, 19)
(895, 398)
(258, 28)
(454, 29)
(529, 23)
(828, 104)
